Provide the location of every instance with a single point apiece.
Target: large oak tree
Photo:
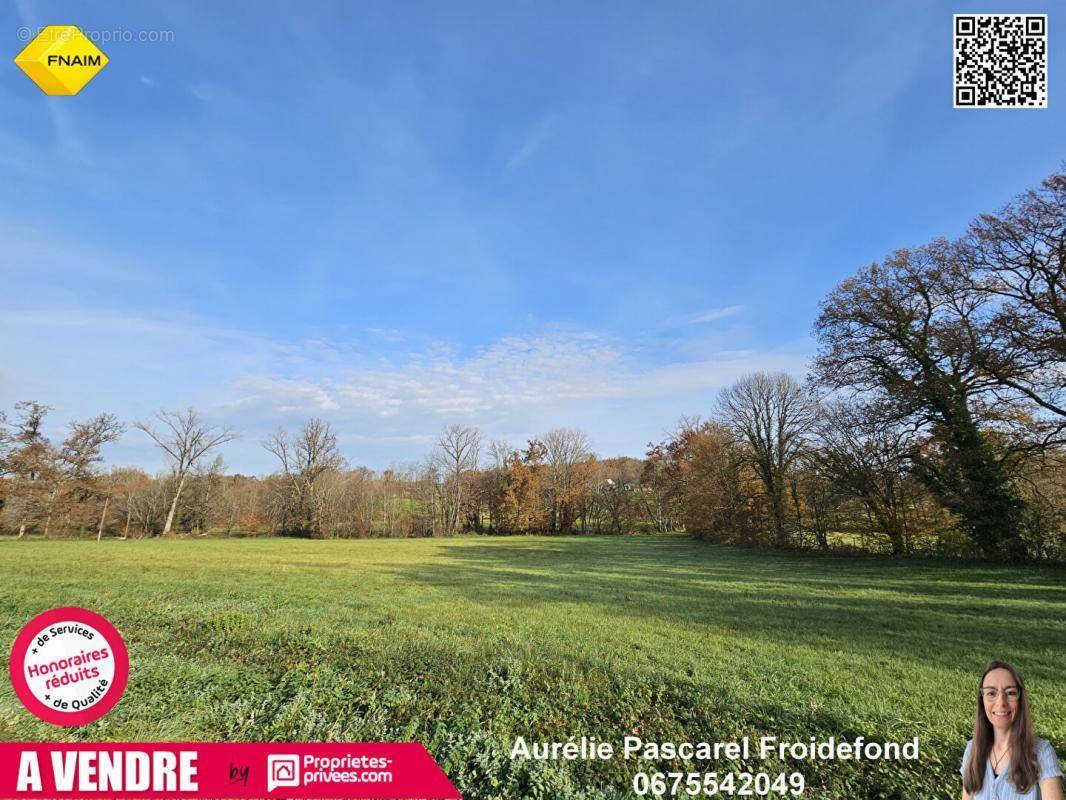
(897, 330)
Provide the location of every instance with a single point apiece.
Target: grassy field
(466, 643)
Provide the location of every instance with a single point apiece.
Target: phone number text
(708, 784)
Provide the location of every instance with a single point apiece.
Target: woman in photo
(1005, 760)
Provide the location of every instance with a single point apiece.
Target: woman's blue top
(1000, 787)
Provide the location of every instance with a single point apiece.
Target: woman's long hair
(1023, 765)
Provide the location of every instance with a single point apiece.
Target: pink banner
(222, 770)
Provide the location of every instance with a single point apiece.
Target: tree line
(932, 420)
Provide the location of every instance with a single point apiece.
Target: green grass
(466, 643)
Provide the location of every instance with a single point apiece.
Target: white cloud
(710, 315)
(386, 405)
(716, 313)
(498, 382)
(533, 143)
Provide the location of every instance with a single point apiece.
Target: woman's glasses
(1011, 693)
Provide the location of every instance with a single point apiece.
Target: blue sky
(401, 215)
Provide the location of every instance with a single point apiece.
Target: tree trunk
(22, 529)
(777, 510)
(103, 516)
(173, 507)
(793, 487)
(890, 525)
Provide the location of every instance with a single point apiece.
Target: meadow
(466, 643)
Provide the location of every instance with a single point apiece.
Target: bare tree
(124, 487)
(500, 453)
(773, 414)
(618, 495)
(1017, 258)
(458, 448)
(203, 494)
(567, 450)
(146, 502)
(185, 438)
(492, 486)
(865, 454)
(305, 457)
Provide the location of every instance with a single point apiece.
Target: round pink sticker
(69, 666)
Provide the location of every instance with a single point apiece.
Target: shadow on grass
(929, 611)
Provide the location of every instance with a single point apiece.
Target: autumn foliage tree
(45, 481)
(27, 465)
(522, 510)
(704, 470)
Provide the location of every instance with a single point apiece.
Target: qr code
(1001, 61)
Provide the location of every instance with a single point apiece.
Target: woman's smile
(1000, 694)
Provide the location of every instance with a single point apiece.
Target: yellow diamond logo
(61, 60)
